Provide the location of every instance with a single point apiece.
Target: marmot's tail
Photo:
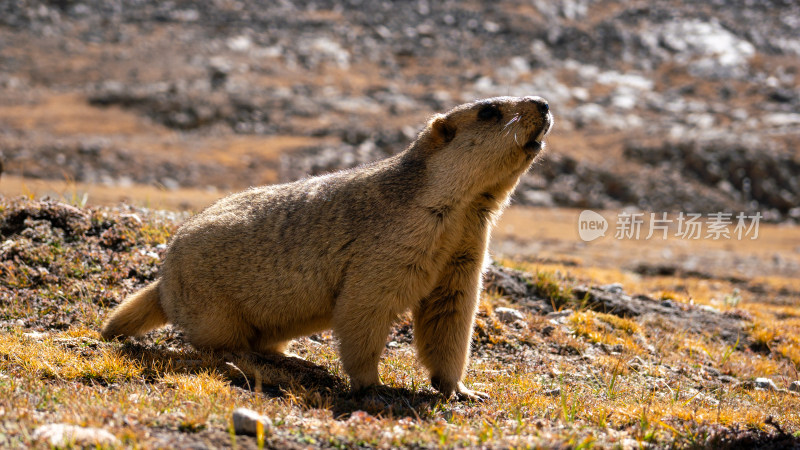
(137, 314)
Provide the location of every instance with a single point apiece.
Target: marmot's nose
(541, 104)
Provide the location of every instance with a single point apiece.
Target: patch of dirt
(732, 326)
(738, 438)
(54, 254)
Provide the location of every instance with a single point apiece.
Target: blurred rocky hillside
(660, 105)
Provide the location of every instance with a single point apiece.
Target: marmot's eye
(489, 112)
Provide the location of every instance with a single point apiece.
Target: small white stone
(508, 315)
(35, 335)
(631, 444)
(782, 119)
(795, 386)
(765, 383)
(240, 43)
(245, 421)
(65, 435)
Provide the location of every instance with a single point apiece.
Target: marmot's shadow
(278, 376)
(314, 386)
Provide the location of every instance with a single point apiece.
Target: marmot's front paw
(362, 386)
(459, 390)
(374, 392)
(469, 395)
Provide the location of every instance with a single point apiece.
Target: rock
(780, 95)
(668, 303)
(637, 363)
(708, 47)
(552, 392)
(631, 444)
(505, 282)
(35, 335)
(624, 99)
(360, 416)
(749, 166)
(559, 314)
(614, 288)
(239, 43)
(218, 71)
(588, 113)
(537, 198)
(67, 217)
(782, 119)
(170, 184)
(765, 383)
(246, 421)
(629, 80)
(508, 315)
(66, 435)
(795, 386)
(615, 349)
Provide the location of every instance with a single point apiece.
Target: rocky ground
(661, 106)
(568, 362)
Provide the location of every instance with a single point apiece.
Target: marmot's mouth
(534, 143)
(535, 140)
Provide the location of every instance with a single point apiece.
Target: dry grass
(551, 234)
(98, 194)
(576, 379)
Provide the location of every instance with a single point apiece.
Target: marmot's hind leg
(271, 347)
(218, 329)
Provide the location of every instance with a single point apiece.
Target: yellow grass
(52, 359)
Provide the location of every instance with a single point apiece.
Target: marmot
(352, 250)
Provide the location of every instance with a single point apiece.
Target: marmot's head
(485, 142)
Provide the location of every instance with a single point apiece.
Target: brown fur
(352, 250)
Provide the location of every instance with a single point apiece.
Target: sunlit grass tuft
(550, 287)
(204, 382)
(49, 357)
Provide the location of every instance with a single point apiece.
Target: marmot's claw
(464, 394)
(471, 396)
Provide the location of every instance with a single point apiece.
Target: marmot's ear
(442, 128)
